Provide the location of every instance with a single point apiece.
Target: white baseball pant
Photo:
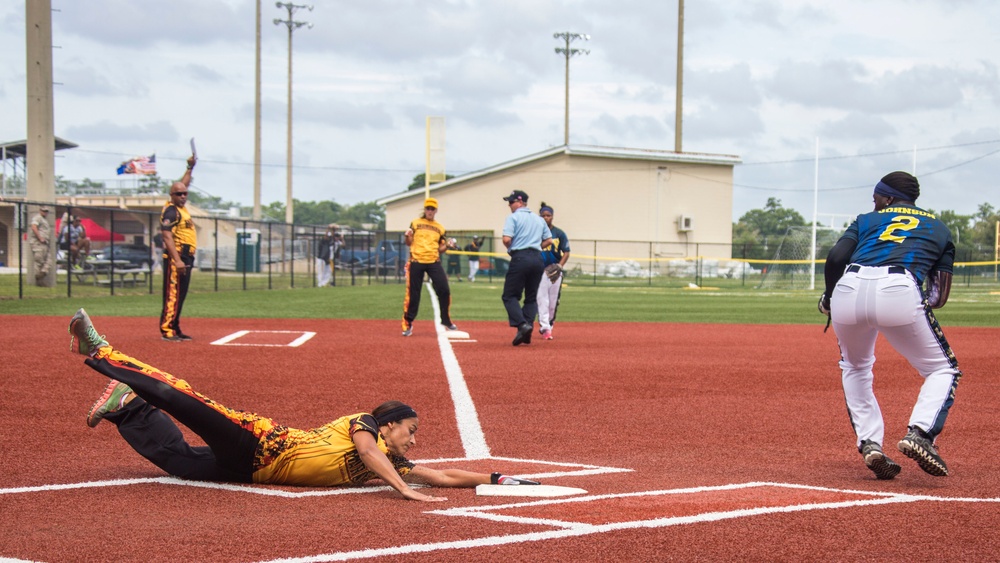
(548, 300)
(869, 301)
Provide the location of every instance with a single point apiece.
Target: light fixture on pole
(569, 37)
(292, 26)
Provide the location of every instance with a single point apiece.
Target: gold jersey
(427, 237)
(321, 457)
(178, 221)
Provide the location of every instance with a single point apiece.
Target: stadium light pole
(292, 26)
(566, 51)
(256, 120)
(679, 99)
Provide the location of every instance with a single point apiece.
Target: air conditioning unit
(685, 223)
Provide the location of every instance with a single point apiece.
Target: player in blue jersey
(874, 276)
(554, 256)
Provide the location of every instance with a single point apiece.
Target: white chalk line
(229, 339)
(577, 470)
(469, 429)
(576, 529)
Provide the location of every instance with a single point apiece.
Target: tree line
(763, 229)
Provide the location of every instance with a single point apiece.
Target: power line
(676, 169)
(866, 155)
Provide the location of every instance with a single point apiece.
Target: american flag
(139, 165)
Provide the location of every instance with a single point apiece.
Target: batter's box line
(577, 529)
(879, 497)
(311, 492)
(229, 340)
(174, 481)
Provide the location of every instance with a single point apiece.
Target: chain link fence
(241, 254)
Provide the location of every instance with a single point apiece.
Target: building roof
(19, 149)
(578, 150)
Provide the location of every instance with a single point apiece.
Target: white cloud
(763, 79)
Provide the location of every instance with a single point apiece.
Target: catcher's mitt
(553, 271)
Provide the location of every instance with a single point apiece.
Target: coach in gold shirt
(427, 242)
(179, 244)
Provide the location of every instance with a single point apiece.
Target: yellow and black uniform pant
(414, 281)
(175, 288)
(232, 436)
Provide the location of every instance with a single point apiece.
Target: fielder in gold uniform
(244, 447)
(179, 244)
(427, 242)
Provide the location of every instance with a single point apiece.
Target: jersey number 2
(899, 223)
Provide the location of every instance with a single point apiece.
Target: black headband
(395, 415)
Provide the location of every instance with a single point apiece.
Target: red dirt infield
(694, 442)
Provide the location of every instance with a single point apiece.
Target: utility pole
(292, 26)
(678, 109)
(40, 159)
(256, 123)
(569, 37)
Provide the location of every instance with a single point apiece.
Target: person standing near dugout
(873, 285)
(179, 244)
(473, 249)
(554, 256)
(40, 235)
(524, 235)
(427, 242)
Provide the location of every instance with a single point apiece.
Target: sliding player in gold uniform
(244, 447)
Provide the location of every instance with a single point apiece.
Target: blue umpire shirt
(525, 229)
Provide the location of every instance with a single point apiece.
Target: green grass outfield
(976, 306)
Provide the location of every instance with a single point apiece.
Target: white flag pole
(812, 269)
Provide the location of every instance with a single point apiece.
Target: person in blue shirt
(524, 235)
(873, 285)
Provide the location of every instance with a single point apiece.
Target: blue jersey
(902, 235)
(552, 254)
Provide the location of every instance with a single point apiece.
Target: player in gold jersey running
(244, 447)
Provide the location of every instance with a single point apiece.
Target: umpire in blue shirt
(524, 235)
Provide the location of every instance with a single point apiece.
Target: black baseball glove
(824, 305)
(553, 271)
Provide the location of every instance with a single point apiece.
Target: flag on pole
(139, 165)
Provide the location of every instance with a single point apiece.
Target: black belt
(513, 252)
(892, 269)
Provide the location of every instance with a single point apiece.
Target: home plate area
(279, 338)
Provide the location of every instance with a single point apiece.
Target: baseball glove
(553, 271)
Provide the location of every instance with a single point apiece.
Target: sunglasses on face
(179, 193)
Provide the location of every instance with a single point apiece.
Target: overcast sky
(882, 85)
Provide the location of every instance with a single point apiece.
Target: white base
(527, 491)
(456, 334)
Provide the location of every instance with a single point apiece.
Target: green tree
(982, 233)
(365, 215)
(419, 180)
(773, 220)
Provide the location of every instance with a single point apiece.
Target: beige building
(598, 193)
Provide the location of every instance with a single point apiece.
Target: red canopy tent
(95, 232)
